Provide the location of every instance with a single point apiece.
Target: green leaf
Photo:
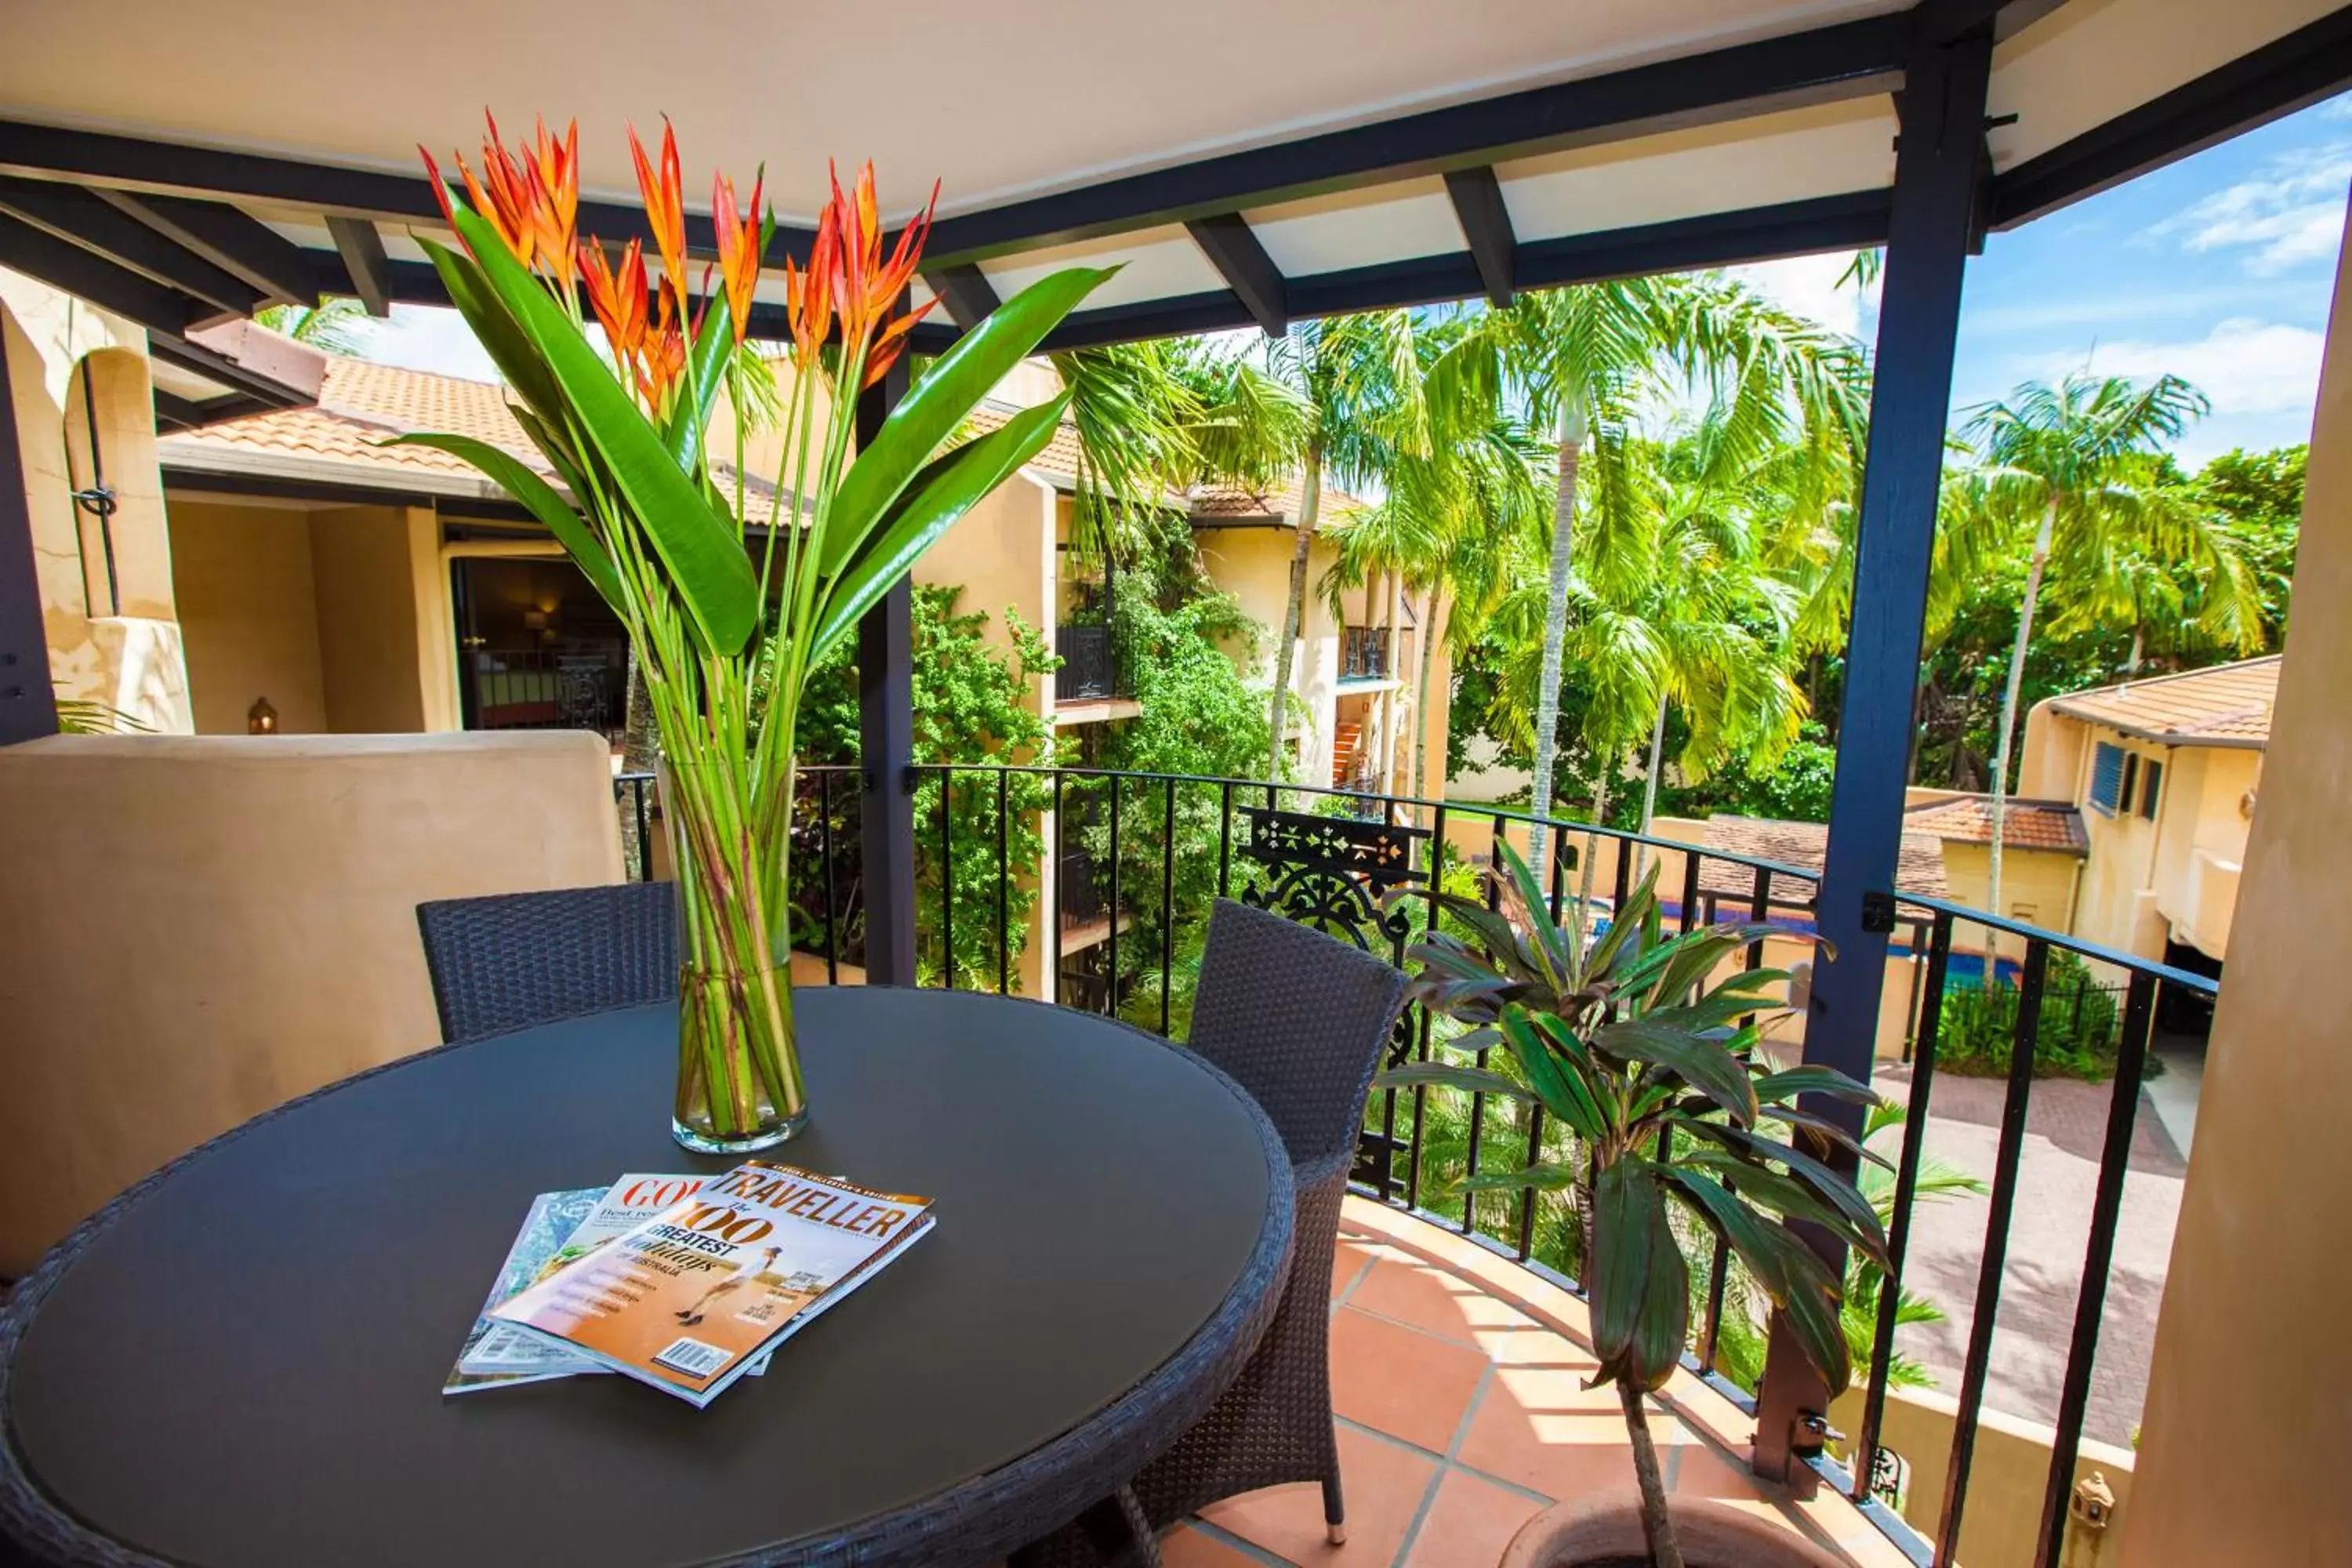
(1826, 1129)
(1557, 1083)
(1813, 1079)
(974, 470)
(1857, 1223)
(940, 402)
(1769, 1189)
(1625, 1202)
(707, 565)
(1664, 1325)
(537, 497)
(1447, 1075)
(1704, 1065)
(500, 335)
(705, 369)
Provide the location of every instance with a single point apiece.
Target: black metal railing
(1144, 857)
(1364, 653)
(1089, 669)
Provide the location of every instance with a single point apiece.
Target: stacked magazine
(684, 1282)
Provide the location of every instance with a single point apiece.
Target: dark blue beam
(1242, 261)
(1478, 207)
(1851, 59)
(246, 248)
(64, 265)
(78, 217)
(365, 266)
(886, 747)
(1938, 173)
(965, 293)
(28, 703)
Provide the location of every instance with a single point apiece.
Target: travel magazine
(500, 1355)
(690, 1297)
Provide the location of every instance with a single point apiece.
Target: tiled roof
(2227, 705)
(2051, 825)
(1208, 503)
(1919, 868)
(360, 404)
(1058, 462)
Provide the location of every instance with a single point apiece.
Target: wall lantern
(261, 719)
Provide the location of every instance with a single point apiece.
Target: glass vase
(739, 1087)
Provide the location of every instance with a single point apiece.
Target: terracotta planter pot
(1604, 1530)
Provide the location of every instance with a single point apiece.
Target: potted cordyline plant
(726, 624)
(1643, 1049)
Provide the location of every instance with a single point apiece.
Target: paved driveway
(2065, 1126)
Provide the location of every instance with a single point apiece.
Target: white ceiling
(994, 100)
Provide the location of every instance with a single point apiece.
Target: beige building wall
(249, 610)
(128, 655)
(386, 644)
(2038, 886)
(1253, 563)
(2246, 1443)
(203, 927)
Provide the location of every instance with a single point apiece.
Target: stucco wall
(247, 604)
(120, 647)
(2037, 886)
(200, 928)
(2007, 1472)
(1254, 565)
(2246, 1445)
(373, 655)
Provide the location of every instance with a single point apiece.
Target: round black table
(240, 1360)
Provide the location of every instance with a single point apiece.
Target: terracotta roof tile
(1805, 846)
(1279, 504)
(2051, 825)
(2227, 705)
(361, 403)
(1059, 460)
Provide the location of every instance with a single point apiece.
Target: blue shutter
(2106, 778)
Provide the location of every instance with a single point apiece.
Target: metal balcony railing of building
(1364, 653)
(1090, 664)
(1159, 849)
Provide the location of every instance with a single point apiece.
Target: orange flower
(808, 295)
(739, 248)
(663, 364)
(532, 201)
(865, 288)
(619, 299)
(665, 198)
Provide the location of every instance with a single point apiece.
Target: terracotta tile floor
(1457, 1380)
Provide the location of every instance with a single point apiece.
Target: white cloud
(1808, 286)
(429, 337)
(2245, 366)
(2293, 212)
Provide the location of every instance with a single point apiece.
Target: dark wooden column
(885, 711)
(1939, 178)
(28, 704)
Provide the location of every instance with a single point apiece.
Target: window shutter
(2106, 778)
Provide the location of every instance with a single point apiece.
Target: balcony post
(1940, 176)
(886, 729)
(28, 703)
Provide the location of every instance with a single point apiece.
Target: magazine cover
(688, 1299)
(500, 1353)
(554, 1218)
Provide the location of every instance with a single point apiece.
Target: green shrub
(2082, 1027)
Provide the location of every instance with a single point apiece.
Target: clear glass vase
(739, 1074)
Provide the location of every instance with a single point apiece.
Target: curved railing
(1093, 886)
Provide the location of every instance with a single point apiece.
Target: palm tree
(1356, 386)
(338, 325)
(2074, 468)
(1584, 360)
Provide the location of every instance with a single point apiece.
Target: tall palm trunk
(1393, 703)
(1572, 428)
(1593, 840)
(1650, 784)
(1431, 628)
(1293, 611)
(2009, 700)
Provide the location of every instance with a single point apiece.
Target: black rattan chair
(1301, 1020)
(515, 960)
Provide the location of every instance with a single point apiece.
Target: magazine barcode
(692, 1357)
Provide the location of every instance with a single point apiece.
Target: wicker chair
(509, 962)
(1301, 1020)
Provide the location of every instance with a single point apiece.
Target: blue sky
(2218, 269)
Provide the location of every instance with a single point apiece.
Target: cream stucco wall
(119, 645)
(2246, 1445)
(1254, 565)
(2037, 886)
(2147, 880)
(248, 611)
(385, 645)
(200, 928)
